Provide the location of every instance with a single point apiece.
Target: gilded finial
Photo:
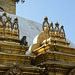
(46, 28)
(62, 32)
(51, 26)
(56, 21)
(57, 24)
(45, 22)
(16, 18)
(45, 18)
(62, 26)
(51, 23)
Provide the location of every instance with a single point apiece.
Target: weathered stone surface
(9, 6)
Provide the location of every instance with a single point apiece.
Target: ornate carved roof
(7, 27)
(53, 36)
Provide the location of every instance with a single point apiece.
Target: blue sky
(62, 11)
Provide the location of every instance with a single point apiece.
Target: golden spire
(45, 23)
(56, 24)
(16, 20)
(62, 26)
(7, 30)
(46, 28)
(51, 24)
(56, 28)
(62, 32)
(51, 29)
(45, 18)
(15, 31)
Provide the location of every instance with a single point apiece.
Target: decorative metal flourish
(45, 23)
(7, 26)
(51, 26)
(57, 26)
(61, 31)
(53, 31)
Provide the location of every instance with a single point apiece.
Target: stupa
(53, 51)
(13, 60)
(50, 54)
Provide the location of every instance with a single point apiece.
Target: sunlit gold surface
(51, 55)
(12, 55)
(54, 52)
